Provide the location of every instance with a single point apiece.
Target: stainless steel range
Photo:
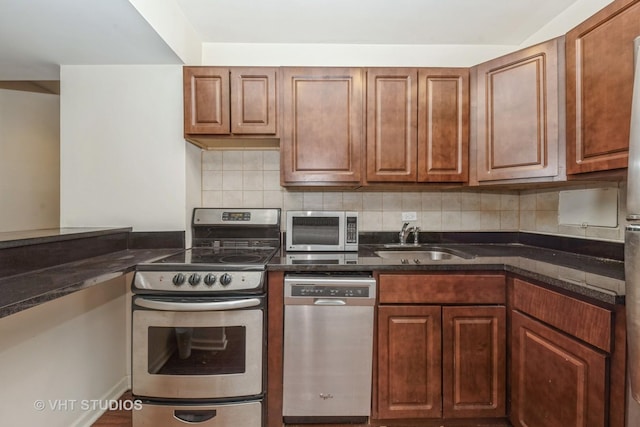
(198, 323)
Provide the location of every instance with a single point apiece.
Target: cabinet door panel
(517, 116)
(556, 381)
(409, 362)
(392, 102)
(322, 125)
(443, 123)
(206, 100)
(253, 101)
(474, 362)
(599, 82)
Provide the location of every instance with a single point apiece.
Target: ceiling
(37, 36)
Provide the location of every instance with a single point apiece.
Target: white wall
(71, 348)
(358, 55)
(29, 160)
(122, 152)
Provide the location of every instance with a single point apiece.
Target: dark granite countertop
(27, 290)
(37, 266)
(11, 239)
(593, 277)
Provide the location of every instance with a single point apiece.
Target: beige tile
(274, 199)
(252, 160)
(371, 221)
(451, 220)
(312, 201)
(547, 221)
(271, 180)
(232, 160)
(490, 202)
(509, 220)
(231, 180)
(212, 199)
(470, 220)
(212, 160)
(572, 230)
(528, 202)
(391, 220)
(252, 181)
(411, 202)
(391, 201)
(232, 199)
(509, 202)
(432, 201)
(605, 233)
(372, 201)
(212, 180)
(352, 201)
(547, 201)
(252, 199)
(470, 201)
(332, 201)
(431, 221)
(293, 201)
(490, 220)
(451, 201)
(527, 221)
(271, 160)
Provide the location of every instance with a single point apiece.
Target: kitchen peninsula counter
(37, 266)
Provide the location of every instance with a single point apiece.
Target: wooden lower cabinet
(409, 362)
(441, 361)
(556, 380)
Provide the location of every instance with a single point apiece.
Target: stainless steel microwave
(322, 231)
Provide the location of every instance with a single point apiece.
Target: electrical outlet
(409, 216)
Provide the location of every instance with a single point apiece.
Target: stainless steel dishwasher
(328, 347)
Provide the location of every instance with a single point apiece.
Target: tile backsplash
(252, 179)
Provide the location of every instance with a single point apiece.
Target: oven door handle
(197, 306)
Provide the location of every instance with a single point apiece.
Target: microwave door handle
(197, 306)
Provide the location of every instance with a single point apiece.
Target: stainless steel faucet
(403, 233)
(416, 235)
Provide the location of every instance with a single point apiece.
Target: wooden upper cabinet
(322, 126)
(518, 129)
(206, 100)
(417, 124)
(226, 101)
(392, 124)
(599, 86)
(443, 125)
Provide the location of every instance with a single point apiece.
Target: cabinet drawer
(588, 322)
(441, 288)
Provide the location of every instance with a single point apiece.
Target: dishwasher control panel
(330, 291)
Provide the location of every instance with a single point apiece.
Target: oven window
(197, 351)
(316, 230)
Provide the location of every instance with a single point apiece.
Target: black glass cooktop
(223, 255)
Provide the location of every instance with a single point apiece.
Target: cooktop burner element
(231, 248)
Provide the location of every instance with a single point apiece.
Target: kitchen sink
(409, 254)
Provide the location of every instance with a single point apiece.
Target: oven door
(197, 350)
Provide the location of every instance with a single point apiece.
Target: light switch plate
(409, 216)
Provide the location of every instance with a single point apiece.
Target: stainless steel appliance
(328, 347)
(322, 231)
(198, 323)
(632, 252)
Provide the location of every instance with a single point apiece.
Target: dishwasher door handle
(328, 301)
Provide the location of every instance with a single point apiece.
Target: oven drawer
(224, 415)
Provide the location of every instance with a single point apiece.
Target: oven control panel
(198, 281)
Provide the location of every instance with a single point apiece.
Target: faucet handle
(416, 235)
